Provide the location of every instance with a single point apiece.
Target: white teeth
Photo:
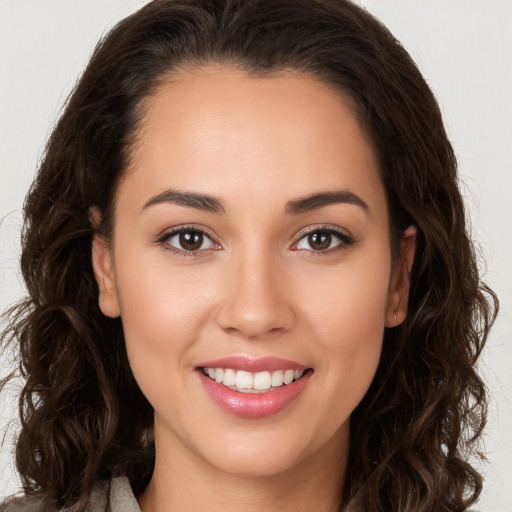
(262, 380)
(219, 375)
(243, 380)
(288, 376)
(248, 382)
(229, 377)
(277, 378)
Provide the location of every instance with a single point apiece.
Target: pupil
(191, 240)
(320, 240)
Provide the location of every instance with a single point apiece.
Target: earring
(394, 313)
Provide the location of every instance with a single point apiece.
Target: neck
(182, 482)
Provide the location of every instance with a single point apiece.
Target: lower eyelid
(204, 235)
(163, 240)
(344, 239)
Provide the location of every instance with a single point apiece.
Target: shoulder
(25, 504)
(122, 498)
(113, 495)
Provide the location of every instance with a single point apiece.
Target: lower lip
(254, 405)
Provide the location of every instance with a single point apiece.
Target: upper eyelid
(168, 232)
(322, 227)
(346, 238)
(337, 230)
(163, 240)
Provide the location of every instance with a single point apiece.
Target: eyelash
(345, 239)
(163, 240)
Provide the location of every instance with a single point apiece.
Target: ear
(398, 296)
(103, 267)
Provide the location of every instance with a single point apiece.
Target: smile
(253, 388)
(248, 382)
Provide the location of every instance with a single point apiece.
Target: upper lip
(253, 365)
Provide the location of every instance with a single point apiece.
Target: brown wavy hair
(83, 416)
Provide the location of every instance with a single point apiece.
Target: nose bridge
(255, 302)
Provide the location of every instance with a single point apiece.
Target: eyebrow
(192, 200)
(212, 204)
(316, 201)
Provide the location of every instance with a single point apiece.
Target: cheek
(163, 308)
(163, 313)
(347, 316)
(349, 298)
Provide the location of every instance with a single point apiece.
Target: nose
(257, 301)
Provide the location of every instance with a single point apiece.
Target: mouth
(253, 388)
(249, 382)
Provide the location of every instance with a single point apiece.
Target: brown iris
(320, 240)
(191, 240)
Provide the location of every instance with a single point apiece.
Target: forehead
(212, 129)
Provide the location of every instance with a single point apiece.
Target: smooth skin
(255, 271)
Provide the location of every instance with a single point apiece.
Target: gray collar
(121, 496)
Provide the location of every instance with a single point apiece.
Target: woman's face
(251, 243)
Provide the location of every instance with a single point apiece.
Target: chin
(257, 458)
(261, 467)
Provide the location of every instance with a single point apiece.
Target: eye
(322, 240)
(188, 240)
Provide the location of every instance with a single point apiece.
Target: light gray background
(463, 47)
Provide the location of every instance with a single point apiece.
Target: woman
(249, 274)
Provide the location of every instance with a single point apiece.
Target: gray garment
(121, 496)
(113, 496)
